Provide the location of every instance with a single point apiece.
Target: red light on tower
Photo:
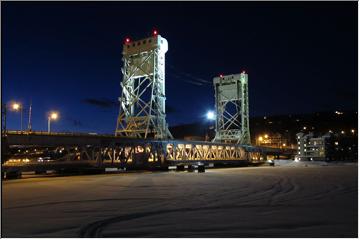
(221, 76)
(155, 32)
(127, 40)
(243, 71)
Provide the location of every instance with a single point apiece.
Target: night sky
(301, 57)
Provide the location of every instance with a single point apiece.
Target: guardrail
(45, 133)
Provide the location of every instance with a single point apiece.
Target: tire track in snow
(95, 229)
(81, 201)
(333, 190)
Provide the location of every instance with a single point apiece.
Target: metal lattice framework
(105, 150)
(142, 102)
(232, 109)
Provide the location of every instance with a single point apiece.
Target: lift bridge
(37, 151)
(142, 137)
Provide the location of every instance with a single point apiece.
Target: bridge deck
(101, 150)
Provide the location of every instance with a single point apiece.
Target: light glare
(16, 106)
(54, 115)
(210, 115)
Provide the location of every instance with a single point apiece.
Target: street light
(210, 115)
(52, 116)
(18, 107)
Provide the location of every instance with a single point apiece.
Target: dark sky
(301, 57)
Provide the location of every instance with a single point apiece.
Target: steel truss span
(99, 151)
(142, 102)
(232, 109)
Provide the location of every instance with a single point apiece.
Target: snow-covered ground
(235, 202)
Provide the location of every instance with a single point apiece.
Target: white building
(312, 148)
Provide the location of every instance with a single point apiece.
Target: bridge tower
(142, 101)
(232, 109)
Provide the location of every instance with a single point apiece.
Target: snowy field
(315, 201)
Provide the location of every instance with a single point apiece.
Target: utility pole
(3, 118)
(29, 123)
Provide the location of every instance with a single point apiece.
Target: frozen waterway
(238, 202)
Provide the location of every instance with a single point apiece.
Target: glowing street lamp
(15, 106)
(210, 115)
(52, 116)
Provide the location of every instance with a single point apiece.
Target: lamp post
(29, 123)
(18, 107)
(3, 118)
(52, 116)
(210, 116)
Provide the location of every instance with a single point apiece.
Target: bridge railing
(46, 133)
